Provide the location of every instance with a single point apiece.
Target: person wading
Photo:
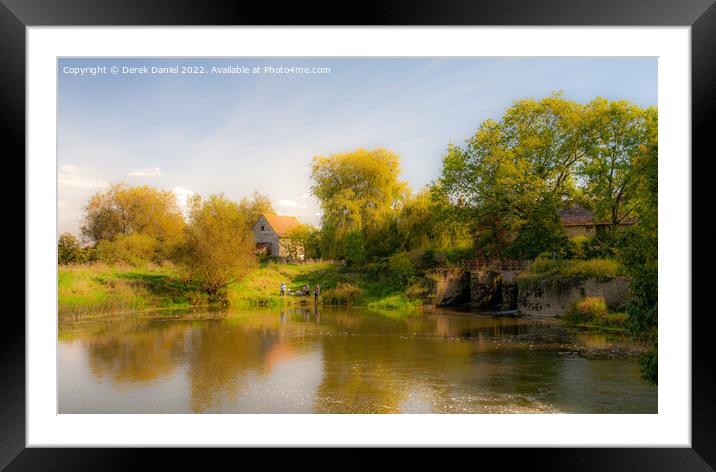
(316, 293)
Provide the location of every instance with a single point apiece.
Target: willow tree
(218, 247)
(124, 211)
(358, 191)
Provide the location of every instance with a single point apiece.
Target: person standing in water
(316, 293)
(283, 289)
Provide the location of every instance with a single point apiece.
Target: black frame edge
(700, 14)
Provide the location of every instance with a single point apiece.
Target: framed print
(421, 228)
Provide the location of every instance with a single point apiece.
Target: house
(271, 235)
(579, 221)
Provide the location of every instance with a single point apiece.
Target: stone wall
(449, 286)
(493, 289)
(535, 301)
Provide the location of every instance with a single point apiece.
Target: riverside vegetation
(497, 196)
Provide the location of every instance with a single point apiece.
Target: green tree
(354, 248)
(255, 206)
(124, 210)
(218, 247)
(619, 130)
(69, 250)
(541, 232)
(136, 249)
(638, 252)
(358, 191)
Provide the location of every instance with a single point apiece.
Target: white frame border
(670, 427)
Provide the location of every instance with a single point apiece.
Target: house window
(262, 228)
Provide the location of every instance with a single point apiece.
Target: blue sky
(236, 133)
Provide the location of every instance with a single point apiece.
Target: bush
(135, 249)
(579, 247)
(69, 250)
(393, 302)
(401, 270)
(416, 291)
(354, 249)
(343, 294)
(587, 310)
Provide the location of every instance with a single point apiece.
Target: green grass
(97, 289)
(592, 312)
(561, 274)
(396, 301)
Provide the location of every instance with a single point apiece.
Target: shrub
(401, 270)
(69, 250)
(135, 249)
(343, 294)
(587, 310)
(579, 246)
(393, 302)
(354, 249)
(416, 291)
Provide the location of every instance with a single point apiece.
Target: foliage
(587, 309)
(135, 249)
(401, 271)
(218, 248)
(124, 210)
(87, 290)
(513, 175)
(69, 250)
(541, 232)
(618, 131)
(649, 364)
(357, 191)
(253, 208)
(638, 251)
(343, 294)
(396, 301)
(354, 248)
(559, 274)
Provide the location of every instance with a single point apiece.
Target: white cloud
(288, 203)
(69, 176)
(151, 172)
(182, 196)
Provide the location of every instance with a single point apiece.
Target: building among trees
(578, 221)
(272, 234)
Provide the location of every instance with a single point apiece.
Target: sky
(258, 128)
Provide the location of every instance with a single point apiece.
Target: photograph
(350, 235)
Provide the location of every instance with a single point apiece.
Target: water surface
(303, 360)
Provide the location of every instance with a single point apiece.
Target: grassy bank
(97, 289)
(87, 290)
(560, 274)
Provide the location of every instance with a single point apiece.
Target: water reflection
(341, 361)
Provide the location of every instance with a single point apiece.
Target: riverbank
(88, 290)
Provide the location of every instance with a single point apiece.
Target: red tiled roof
(282, 224)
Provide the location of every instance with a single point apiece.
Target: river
(345, 360)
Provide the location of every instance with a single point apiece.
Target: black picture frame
(16, 15)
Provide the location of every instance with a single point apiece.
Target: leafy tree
(638, 252)
(136, 249)
(619, 131)
(358, 191)
(354, 248)
(218, 247)
(69, 250)
(541, 232)
(254, 207)
(124, 210)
